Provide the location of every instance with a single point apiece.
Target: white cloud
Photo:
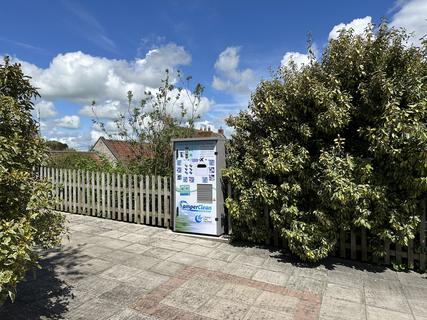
(78, 142)
(70, 122)
(229, 77)
(111, 129)
(81, 78)
(75, 139)
(358, 26)
(44, 109)
(228, 60)
(95, 135)
(110, 109)
(412, 15)
(298, 58)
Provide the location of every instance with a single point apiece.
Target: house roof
(126, 151)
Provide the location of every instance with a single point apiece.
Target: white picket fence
(123, 197)
(147, 200)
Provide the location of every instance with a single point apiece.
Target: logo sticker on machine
(186, 207)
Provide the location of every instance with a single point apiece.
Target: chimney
(209, 129)
(221, 131)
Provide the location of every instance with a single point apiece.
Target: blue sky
(79, 51)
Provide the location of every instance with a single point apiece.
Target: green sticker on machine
(184, 190)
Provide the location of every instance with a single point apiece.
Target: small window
(204, 193)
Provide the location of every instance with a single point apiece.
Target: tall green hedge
(27, 221)
(338, 143)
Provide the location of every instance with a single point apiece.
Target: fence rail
(123, 197)
(147, 200)
(355, 245)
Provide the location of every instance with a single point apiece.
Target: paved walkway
(115, 270)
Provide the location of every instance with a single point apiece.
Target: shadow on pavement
(45, 294)
(329, 263)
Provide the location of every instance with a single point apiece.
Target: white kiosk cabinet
(197, 187)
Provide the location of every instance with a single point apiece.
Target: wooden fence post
(79, 196)
(423, 236)
(141, 199)
(108, 215)
(86, 199)
(147, 200)
(124, 198)
(61, 190)
(387, 252)
(103, 194)
(153, 200)
(398, 253)
(57, 189)
(92, 198)
(130, 201)
(353, 245)
(74, 191)
(342, 244)
(66, 191)
(267, 224)
(115, 211)
(136, 213)
(159, 201)
(119, 198)
(166, 217)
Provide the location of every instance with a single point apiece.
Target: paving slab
(167, 268)
(341, 292)
(116, 270)
(274, 277)
(337, 309)
(137, 248)
(276, 302)
(122, 294)
(141, 261)
(239, 293)
(94, 309)
(130, 314)
(374, 313)
(219, 309)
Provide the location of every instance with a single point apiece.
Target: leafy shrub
(336, 144)
(56, 145)
(27, 221)
(83, 161)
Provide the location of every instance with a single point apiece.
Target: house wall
(102, 149)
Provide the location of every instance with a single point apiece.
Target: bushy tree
(27, 221)
(337, 144)
(165, 113)
(56, 145)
